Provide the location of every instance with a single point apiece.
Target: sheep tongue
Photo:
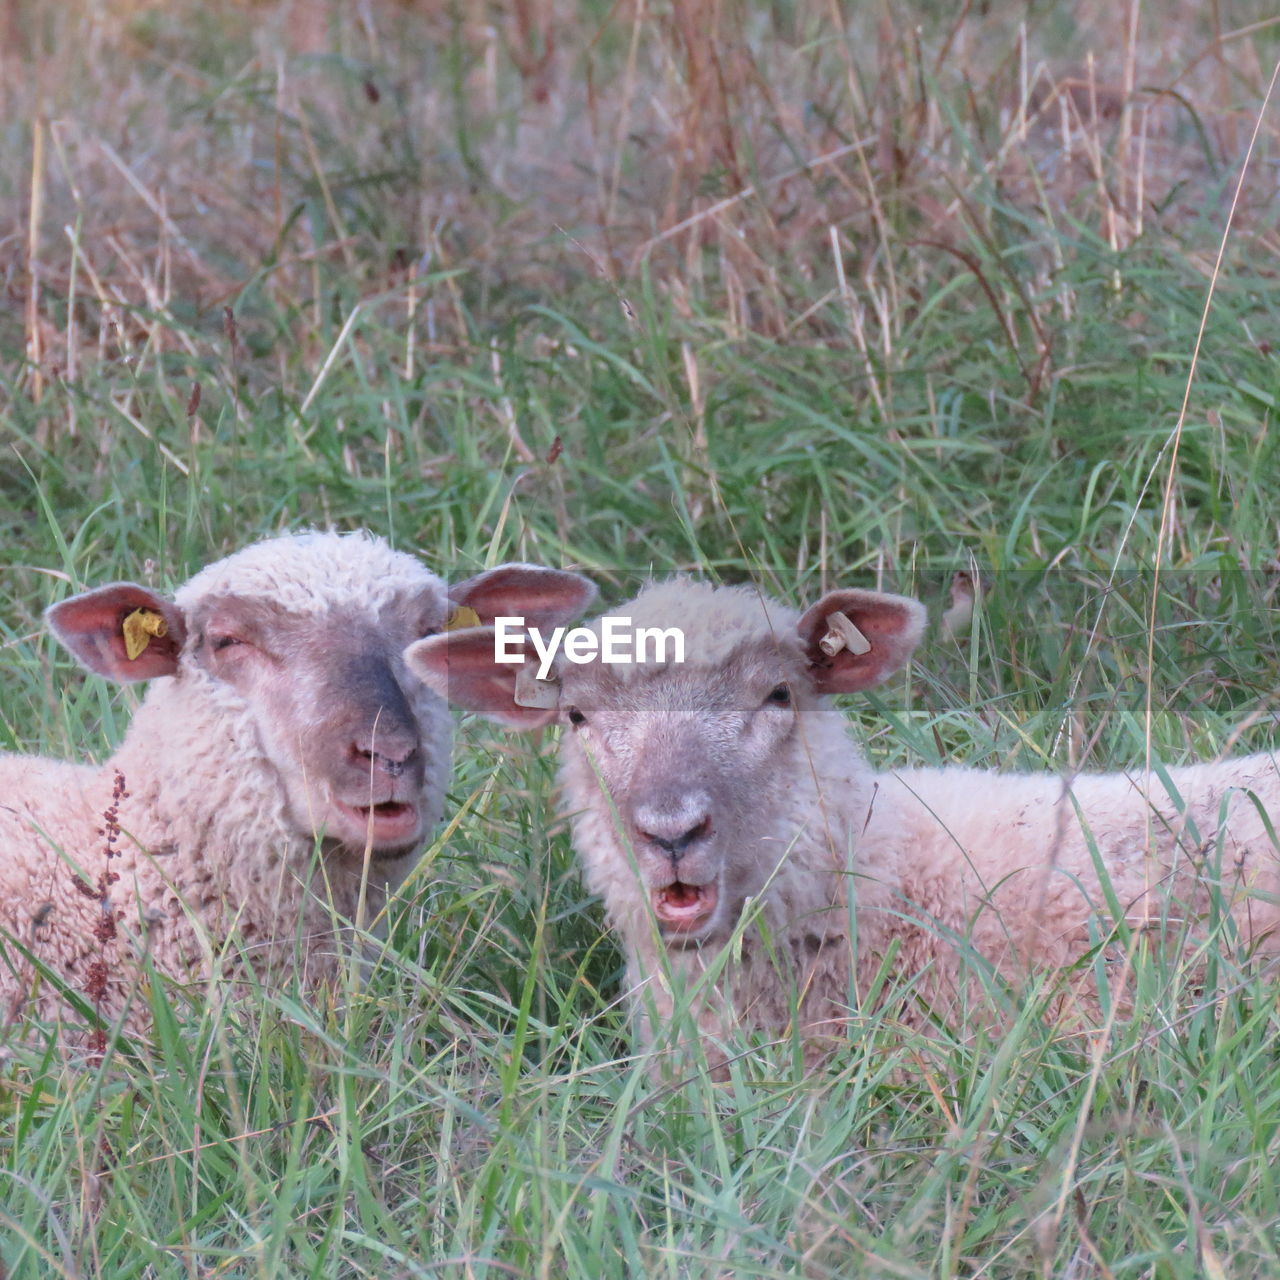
(681, 908)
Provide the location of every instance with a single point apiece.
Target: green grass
(442, 252)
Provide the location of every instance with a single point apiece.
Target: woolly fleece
(206, 846)
(937, 863)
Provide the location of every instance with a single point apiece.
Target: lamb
(283, 770)
(728, 783)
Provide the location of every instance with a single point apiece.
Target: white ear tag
(843, 635)
(543, 695)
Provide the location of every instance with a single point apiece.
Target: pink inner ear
(91, 626)
(891, 624)
(542, 597)
(460, 666)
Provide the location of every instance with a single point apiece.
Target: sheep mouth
(389, 823)
(684, 908)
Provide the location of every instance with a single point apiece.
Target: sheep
(283, 770)
(728, 783)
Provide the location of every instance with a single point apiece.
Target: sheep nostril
(395, 767)
(697, 833)
(392, 762)
(676, 846)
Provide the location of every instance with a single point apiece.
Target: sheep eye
(430, 631)
(576, 718)
(224, 642)
(779, 695)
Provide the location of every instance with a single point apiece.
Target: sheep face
(684, 774)
(695, 764)
(295, 645)
(358, 746)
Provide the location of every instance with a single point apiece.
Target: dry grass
(175, 161)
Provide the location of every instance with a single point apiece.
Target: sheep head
(682, 773)
(295, 645)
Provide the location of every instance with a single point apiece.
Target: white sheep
(284, 769)
(727, 781)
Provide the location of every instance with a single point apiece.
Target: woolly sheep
(699, 787)
(281, 719)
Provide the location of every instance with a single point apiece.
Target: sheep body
(939, 861)
(46, 915)
(281, 773)
(212, 836)
(729, 783)
(1012, 861)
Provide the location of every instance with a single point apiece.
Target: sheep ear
(122, 631)
(872, 635)
(461, 666)
(542, 597)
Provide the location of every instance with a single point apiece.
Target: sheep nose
(676, 846)
(390, 754)
(674, 824)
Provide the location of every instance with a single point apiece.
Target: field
(794, 292)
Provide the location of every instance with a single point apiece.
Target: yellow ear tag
(138, 628)
(461, 616)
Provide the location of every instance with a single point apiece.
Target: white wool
(716, 621)
(207, 849)
(310, 572)
(939, 865)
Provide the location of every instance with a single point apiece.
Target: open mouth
(389, 822)
(684, 908)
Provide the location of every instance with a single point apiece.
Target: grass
(805, 300)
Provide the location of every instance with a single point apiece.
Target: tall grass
(801, 292)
